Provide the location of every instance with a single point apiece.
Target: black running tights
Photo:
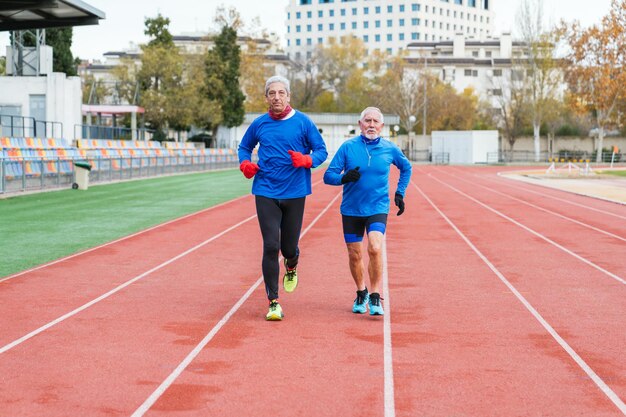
(280, 222)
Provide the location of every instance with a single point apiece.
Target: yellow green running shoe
(290, 279)
(275, 312)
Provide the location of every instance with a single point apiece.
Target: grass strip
(39, 228)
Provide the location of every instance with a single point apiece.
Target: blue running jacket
(370, 194)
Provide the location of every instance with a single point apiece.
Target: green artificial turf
(619, 173)
(38, 228)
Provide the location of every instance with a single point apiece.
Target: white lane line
(570, 351)
(541, 208)
(56, 261)
(118, 288)
(390, 406)
(127, 283)
(539, 235)
(149, 402)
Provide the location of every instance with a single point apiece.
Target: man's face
(277, 97)
(371, 125)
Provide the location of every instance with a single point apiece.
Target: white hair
(372, 110)
(277, 79)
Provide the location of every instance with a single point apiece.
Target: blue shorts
(353, 226)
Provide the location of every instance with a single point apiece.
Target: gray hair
(372, 110)
(277, 79)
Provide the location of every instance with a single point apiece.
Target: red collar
(280, 115)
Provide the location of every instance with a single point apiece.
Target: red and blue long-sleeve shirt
(277, 177)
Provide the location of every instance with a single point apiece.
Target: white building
(46, 105)
(465, 147)
(463, 63)
(189, 43)
(383, 25)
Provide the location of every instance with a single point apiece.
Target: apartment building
(383, 25)
(483, 65)
(187, 43)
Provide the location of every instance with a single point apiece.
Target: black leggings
(280, 222)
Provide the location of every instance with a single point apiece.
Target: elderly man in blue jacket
(361, 165)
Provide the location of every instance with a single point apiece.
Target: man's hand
(300, 161)
(399, 200)
(352, 175)
(249, 169)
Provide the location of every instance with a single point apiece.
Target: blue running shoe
(360, 302)
(376, 308)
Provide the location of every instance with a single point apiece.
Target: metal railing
(111, 132)
(546, 157)
(35, 174)
(22, 126)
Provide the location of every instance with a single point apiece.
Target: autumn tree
(400, 90)
(509, 101)
(306, 86)
(254, 72)
(126, 84)
(543, 75)
(94, 91)
(340, 69)
(449, 110)
(595, 69)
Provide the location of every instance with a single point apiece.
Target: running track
(502, 299)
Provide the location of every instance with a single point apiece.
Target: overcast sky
(124, 21)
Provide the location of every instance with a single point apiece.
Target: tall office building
(383, 25)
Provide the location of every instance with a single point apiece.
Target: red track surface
(505, 299)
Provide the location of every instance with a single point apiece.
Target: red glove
(249, 169)
(300, 161)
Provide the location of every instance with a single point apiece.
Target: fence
(546, 157)
(34, 174)
(111, 132)
(21, 126)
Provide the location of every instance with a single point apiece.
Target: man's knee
(374, 248)
(270, 248)
(354, 252)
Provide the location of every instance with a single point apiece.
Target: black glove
(352, 175)
(399, 200)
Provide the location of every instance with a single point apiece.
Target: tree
(595, 69)
(449, 110)
(340, 69)
(253, 76)
(3, 63)
(543, 74)
(157, 29)
(400, 90)
(60, 39)
(222, 69)
(94, 91)
(306, 86)
(126, 84)
(509, 100)
(160, 76)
